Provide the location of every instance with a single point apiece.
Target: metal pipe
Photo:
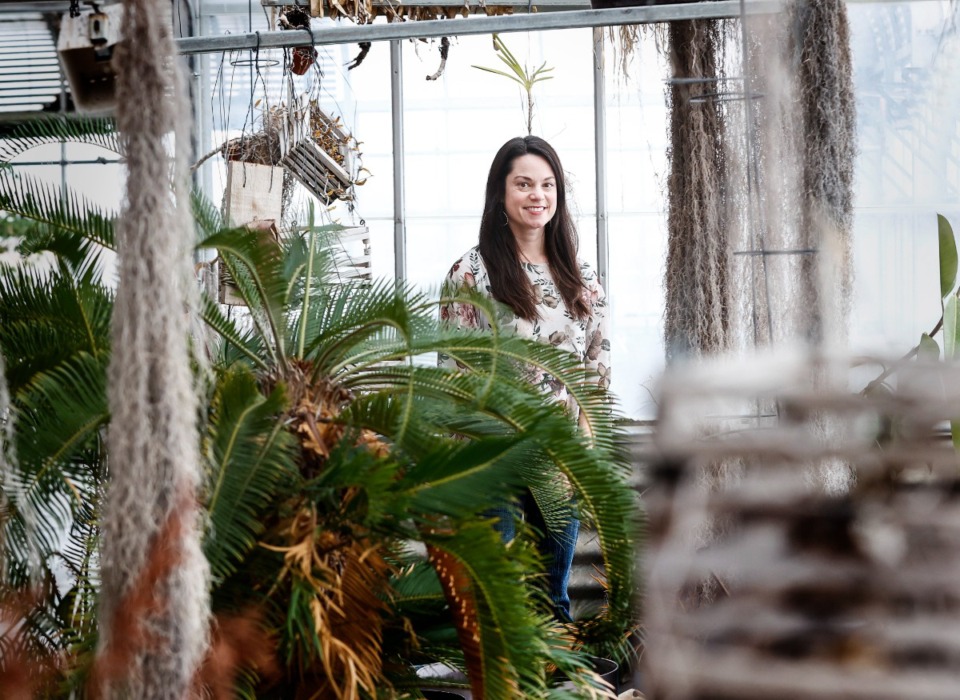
(600, 151)
(393, 31)
(399, 176)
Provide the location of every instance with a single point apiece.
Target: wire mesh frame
(309, 162)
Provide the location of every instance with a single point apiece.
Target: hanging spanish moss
(797, 175)
(793, 187)
(154, 607)
(696, 316)
(828, 142)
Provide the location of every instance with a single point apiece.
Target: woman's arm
(456, 313)
(596, 356)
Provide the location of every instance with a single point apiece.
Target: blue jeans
(556, 547)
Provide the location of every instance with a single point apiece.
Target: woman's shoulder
(588, 273)
(468, 267)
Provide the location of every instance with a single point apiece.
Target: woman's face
(530, 197)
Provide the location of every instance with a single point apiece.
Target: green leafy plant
(949, 323)
(329, 453)
(519, 73)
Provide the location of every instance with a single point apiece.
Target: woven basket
(317, 153)
(767, 577)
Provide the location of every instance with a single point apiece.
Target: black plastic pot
(442, 695)
(607, 669)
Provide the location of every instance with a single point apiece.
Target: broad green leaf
(948, 256)
(928, 348)
(951, 325)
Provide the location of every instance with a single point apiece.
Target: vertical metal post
(600, 148)
(399, 201)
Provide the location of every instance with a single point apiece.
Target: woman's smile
(530, 197)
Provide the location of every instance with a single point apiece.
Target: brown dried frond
(458, 590)
(128, 636)
(26, 671)
(237, 641)
(348, 575)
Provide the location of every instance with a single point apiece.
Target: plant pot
(607, 669)
(303, 57)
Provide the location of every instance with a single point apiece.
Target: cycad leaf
(496, 622)
(255, 263)
(243, 342)
(60, 418)
(252, 452)
(38, 132)
(46, 318)
(33, 199)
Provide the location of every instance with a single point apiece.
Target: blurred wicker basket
(813, 592)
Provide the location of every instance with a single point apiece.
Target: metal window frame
(398, 31)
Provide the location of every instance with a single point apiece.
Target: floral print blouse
(587, 339)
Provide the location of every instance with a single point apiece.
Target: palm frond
(243, 342)
(456, 480)
(507, 654)
(47, 318)
(251, 453)
(33, 199)
(54, 129)
(59, 422)
(206, 217)
(255, 264)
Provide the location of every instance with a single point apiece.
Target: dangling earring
(506, 219)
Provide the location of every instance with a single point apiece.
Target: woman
(527, 260)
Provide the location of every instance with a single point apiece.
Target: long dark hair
(498, 246)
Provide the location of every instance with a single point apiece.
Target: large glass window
(907, 81)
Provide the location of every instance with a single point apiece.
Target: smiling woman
(526, 259)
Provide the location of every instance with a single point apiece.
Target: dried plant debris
(365, 11)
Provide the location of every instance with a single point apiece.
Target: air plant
(519, 73)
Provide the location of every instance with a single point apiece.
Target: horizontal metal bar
(762, 253)
(92, 161)
(350, 33)
(473, 5)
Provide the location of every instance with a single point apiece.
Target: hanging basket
(318, 153)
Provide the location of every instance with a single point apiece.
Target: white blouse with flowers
(587, 338)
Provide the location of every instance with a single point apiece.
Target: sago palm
(329, 438)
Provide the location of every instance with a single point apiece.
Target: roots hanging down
(358, 59)
(696, 315)
(826, 103)
(444, 51)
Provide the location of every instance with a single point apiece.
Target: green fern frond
(55, 129)
(33, 199)
(251, 453)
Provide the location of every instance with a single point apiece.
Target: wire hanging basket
(319, 153)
